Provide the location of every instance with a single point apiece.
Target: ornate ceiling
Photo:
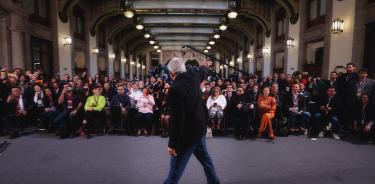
(174, 23)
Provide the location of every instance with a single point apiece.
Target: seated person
(17, 109)
(67, 122)
(327, 118)
(365, 117)
(241, 109)
(267, 109)
(50, 110)
(216, 104)
(94, 110)
(295, 110)
(165, 114)
(118, 109)
(143, 119)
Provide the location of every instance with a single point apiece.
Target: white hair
(176, 65)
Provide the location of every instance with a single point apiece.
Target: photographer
(327, 118)
(68, 120)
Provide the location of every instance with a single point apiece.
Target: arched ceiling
(177, 22)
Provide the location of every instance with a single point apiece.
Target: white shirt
(220, 100)
(135, 95)
(20, 103)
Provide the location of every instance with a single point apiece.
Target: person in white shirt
(135, 94)
(216, 104)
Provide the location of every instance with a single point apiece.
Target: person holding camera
(94, 110)
(67, 121)
(327, 118)
(216, 104)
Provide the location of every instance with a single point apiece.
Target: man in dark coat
(347, 90)
(188, 123)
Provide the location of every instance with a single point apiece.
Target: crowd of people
(252, 106)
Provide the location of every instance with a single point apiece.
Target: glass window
(323, 7)
(42, 7)
(313, 9)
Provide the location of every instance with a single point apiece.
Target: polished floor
(43, 159)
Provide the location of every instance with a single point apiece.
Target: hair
(176, 65)
(363, 70)
(350, 64)
(333, 72)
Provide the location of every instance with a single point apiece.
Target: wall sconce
(152, 42)
(290, 42)
(239, 60)
(159, 50)
(265, 51)
(337, 26)
(143, 67)
(123, 60)
(112, 56)
(132, 63)
(95, 50)
(216, 36)
(231, 63)
(138, 65)
(208, 47)
(249, 56)
(221, 67)
(205, 51)
(68, 41)
(156, 46)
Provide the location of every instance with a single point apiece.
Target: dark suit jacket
(368, 114)
(335, 104)
(347, 89)
(188, 123)
(288, 103)
(12, 106)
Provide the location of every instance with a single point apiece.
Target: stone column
(122, 66)
(217, 64)
(251, 60)
(110, 61)
(93, 57)
(131, 64)
(4, 44)
(293, 52)
(137, 63)
(65, 52)
(342, 43)
(17, 32)
(267, 57)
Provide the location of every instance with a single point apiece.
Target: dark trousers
(179, 162)
(48, 117)
(297, 120)
(118, 119)
(13, 124)
(66, 123)
(94, 119)
(323, 120)
(143, 120)
(241, 125)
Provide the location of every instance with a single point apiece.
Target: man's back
(187, 115)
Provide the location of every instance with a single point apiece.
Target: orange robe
(267, 108)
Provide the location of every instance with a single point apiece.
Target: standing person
(188, 124)
(347, 89)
